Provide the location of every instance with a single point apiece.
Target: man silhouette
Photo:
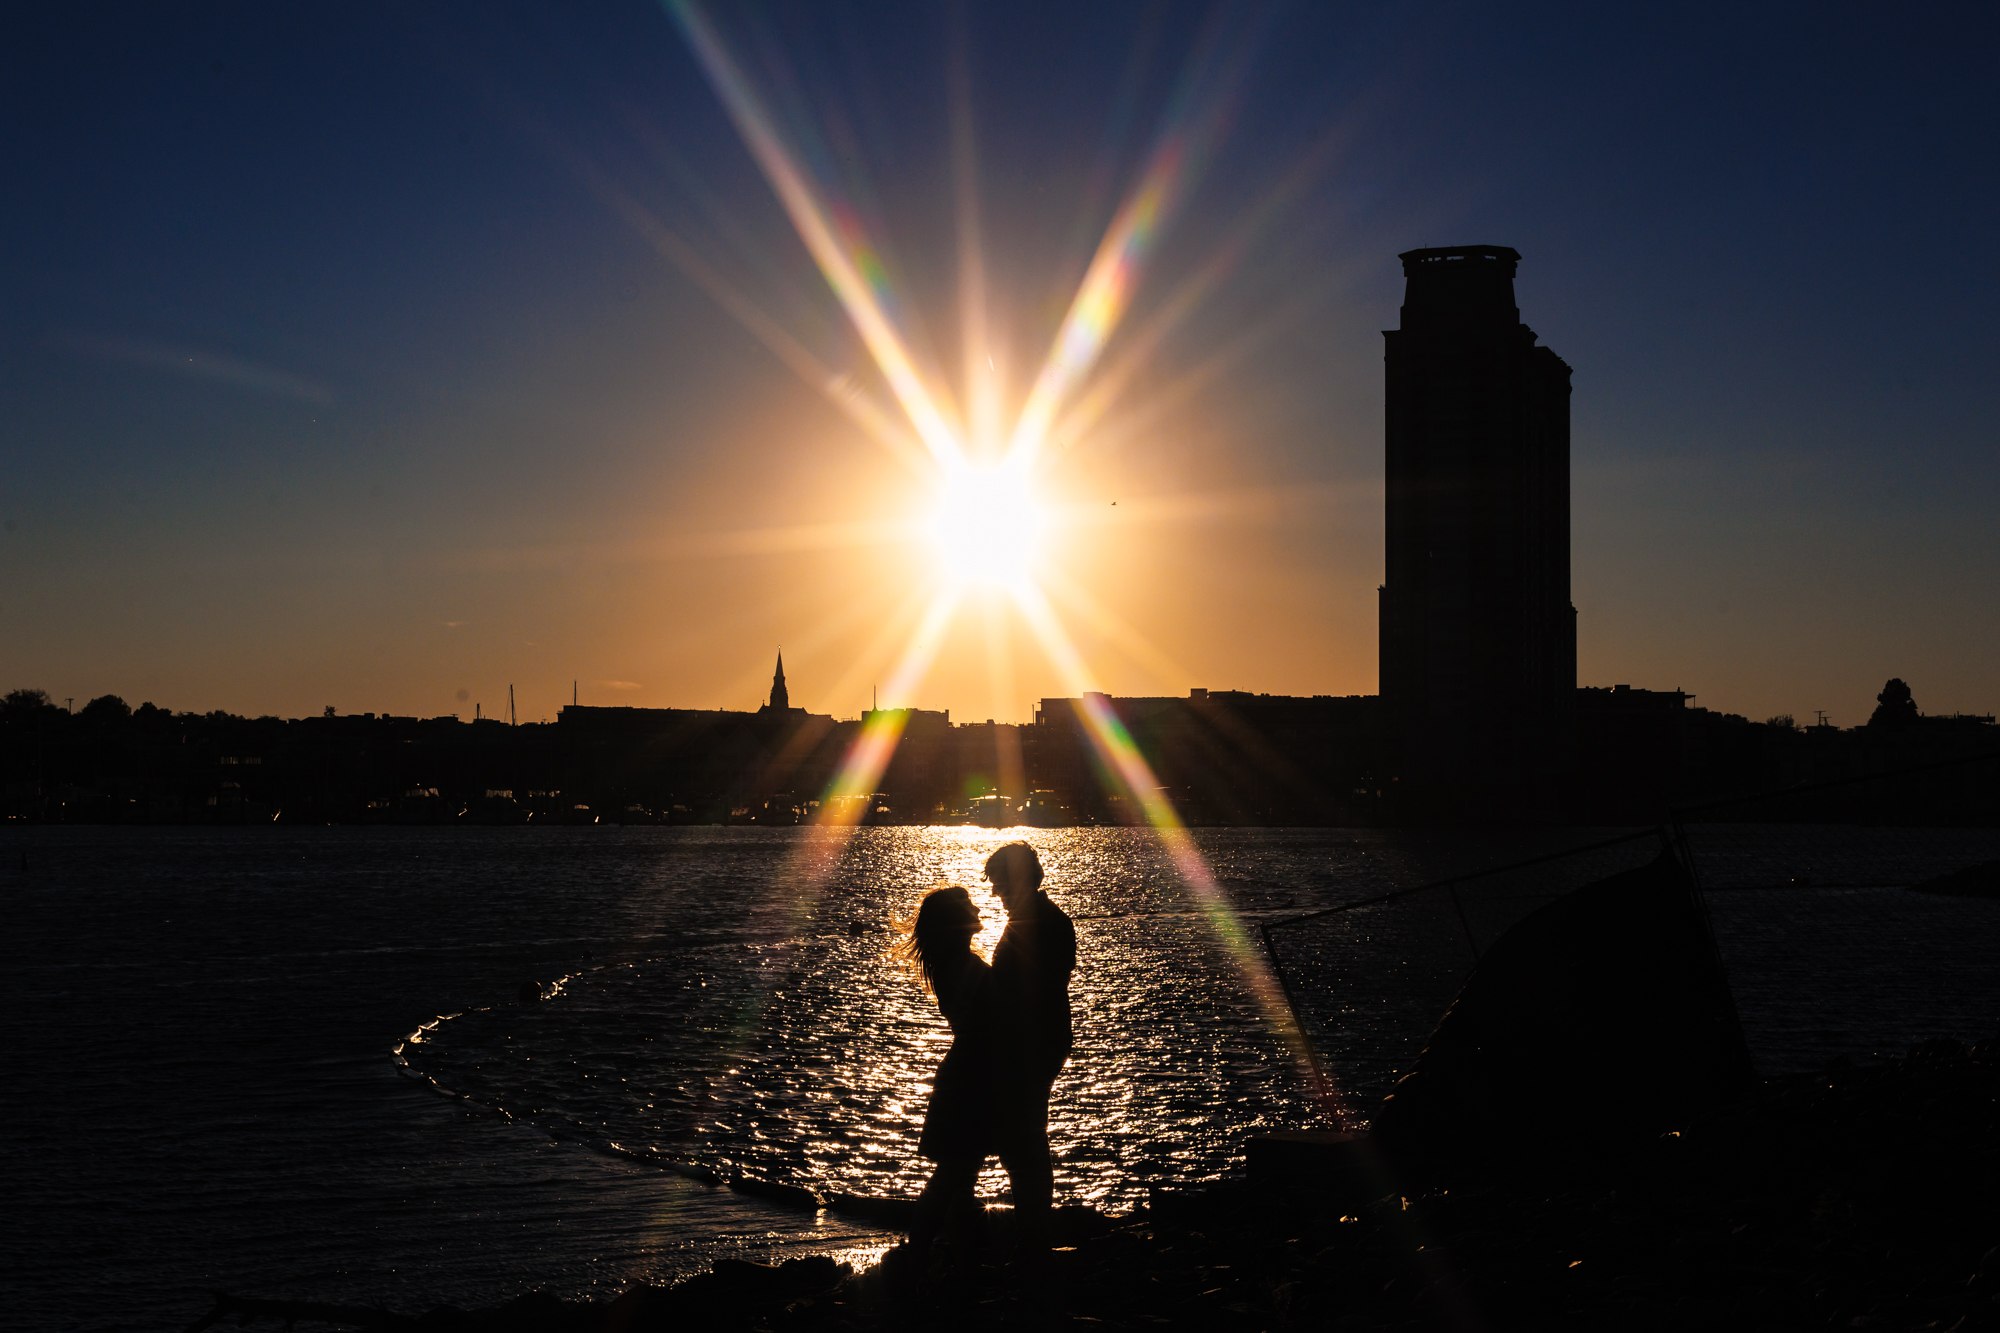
(1031, 968)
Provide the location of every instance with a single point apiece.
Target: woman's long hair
(940, 936)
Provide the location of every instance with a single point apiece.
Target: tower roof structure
(781, 700)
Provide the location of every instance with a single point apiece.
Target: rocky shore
(1858, 1198)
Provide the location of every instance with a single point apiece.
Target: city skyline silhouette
(503, 370)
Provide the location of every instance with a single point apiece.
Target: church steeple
(781, 701)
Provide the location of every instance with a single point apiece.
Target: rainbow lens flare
(987, 520)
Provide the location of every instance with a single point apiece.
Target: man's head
(1016, 873)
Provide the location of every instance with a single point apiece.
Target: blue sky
(343, 363)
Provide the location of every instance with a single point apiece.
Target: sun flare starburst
(987, 527)
(986, 524)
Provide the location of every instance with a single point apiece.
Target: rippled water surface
(754, 1031)
(201, 1031)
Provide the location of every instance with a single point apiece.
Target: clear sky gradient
(382, 356)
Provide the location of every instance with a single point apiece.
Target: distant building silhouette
(1478, 636)
(781, 699)
(1221, 756)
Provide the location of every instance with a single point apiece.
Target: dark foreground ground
(1862, 1198)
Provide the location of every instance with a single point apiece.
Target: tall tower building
(1478, 636)
(781, 699)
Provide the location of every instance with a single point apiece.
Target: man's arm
(1058, 962)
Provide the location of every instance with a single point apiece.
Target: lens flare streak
(1120, 760)
(831, 233)
(1193, 123)
(871, 752)
(1194, 291)
(853, 268)
(838, 388)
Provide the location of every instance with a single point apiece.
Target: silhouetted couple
(1011, 1034)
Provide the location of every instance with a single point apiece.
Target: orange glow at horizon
(986, 524)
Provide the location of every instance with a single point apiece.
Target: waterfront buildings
(1478, 636)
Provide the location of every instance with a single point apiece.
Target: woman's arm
(967, 1001)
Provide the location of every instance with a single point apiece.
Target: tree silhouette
(1895, 706)
(21, 706)
(106, 708)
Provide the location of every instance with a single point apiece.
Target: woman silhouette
(957, 1127)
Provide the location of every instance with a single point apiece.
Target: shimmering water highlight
(805, 1057)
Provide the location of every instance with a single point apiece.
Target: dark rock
(1602, 1016)
(810, 1274)
(1070, 1224)
(1074, 1223)
(1936, 1051)
(694, 1171)
(530, 992)
(796, 1195)
(643, 1306)
(535, 1312)
(895, 1213)
(793, 1278)
(1344, 1168)
(744, 1273)
(1976, 881)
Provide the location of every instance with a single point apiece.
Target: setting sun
(986, 527)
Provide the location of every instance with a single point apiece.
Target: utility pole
(511, 719)
(572, 694)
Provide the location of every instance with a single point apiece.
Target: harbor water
(415, 1066)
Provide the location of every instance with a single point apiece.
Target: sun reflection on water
(760, 1036)
(987, 522)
